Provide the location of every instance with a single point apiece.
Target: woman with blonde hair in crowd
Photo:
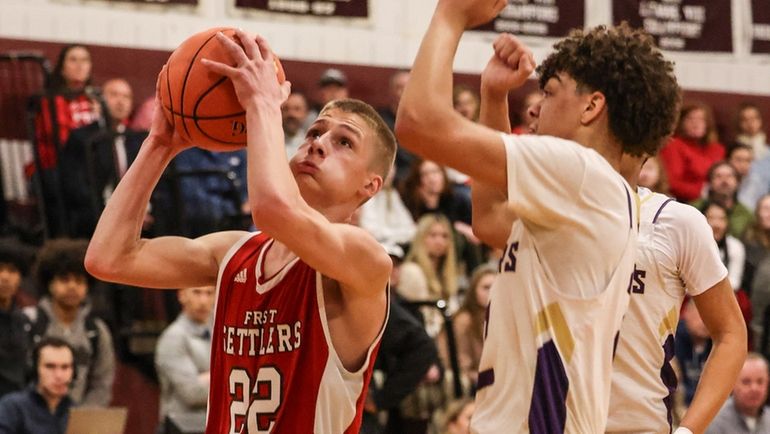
(456, 418)
(429, 272)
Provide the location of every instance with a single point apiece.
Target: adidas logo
(240, 277)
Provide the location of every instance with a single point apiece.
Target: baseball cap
(333, 76)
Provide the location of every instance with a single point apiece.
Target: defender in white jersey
(676, 256)
(557, 306)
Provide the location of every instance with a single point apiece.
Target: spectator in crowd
(525, 118)
(95, 157)
(757, 182)
(468, 326)
(750, 128)
(396, 87)
(405, 356)
(652, 176)
(142, 117)
(745, 412)
(385, 216)
(212, 189)
(66, 313)
(426, 190)
(756, 275)
(466, 101)
(757, 241)
(42, 408)
(69, 102)
(456, 419)
(731, 250)
(741, 156)
(722, 188)
(332, 84)
(690, 153)
(14, 325)
(294, 112)
(182, 355)
(430, 270)
(692, 348)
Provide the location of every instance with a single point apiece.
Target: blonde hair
(445, 285)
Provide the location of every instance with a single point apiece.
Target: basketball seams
(196, 119)
(186, 77)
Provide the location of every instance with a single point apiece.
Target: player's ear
(373, 185)
(595, 105)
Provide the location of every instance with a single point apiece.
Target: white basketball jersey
(676, 255)
(557, 304)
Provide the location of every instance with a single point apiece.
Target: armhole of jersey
(327, 335)
(226, 259)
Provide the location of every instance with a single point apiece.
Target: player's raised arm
(317, 232)
(427, 123)
(117, 253)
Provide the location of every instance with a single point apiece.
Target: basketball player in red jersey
(300, 305)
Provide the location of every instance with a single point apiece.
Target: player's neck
(601, 142)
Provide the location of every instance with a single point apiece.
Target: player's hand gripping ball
(200, 104)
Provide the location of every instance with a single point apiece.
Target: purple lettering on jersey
(636, 285)
(548, 409)
(508, 261)
(668, 376)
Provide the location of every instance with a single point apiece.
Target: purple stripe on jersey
(615, 343)
(655, 219)
(548, 410)
(668, 376)
(630, 210)
(486, 378)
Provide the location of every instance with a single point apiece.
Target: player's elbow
(98, 262)
(408, 128)
(272, 214)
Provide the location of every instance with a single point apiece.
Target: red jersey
(273, 366)
(71, 112)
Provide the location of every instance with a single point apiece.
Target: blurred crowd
(65, 330)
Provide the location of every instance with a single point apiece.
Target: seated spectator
(525, 117)
(294, 112)
(96, 157)
(183, 354)
(756, 184)
(14, 325)
(456, 419)
(385, 216)
(468, 326)
(42, 408)
(691, 152)
(212, 188)
(750, 128)
(430, 270)
(741, 156)
(65, 312)
(722, 188)
(653, 176)
(731, 250)
(692, 348)
(745, 412)
(405, 357)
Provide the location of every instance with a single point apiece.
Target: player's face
(741, 159)
(119, 99)
(54, 371)
(333, 165)
(763, 213)
(69, 291)
(694, 124)
(76, 67)
(10, 278)
(723, 180)
(750, 121)
(530, 101)
(717, 219)
(482, 289)
(437, 240)
(558, 113)
(431, 178)
(750, 389)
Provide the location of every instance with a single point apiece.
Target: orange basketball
(200, 104)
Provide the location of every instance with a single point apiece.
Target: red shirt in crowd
(687, 163)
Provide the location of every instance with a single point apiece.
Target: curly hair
(639, 85)
(58, 258)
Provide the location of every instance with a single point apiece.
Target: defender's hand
(470, 13)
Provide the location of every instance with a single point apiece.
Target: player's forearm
(270, 182)
(426, 105)
(117, 234)
(493, 110)
(717, 380)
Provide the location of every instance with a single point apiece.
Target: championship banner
(760, 26)
(545, 18)
(681, 25)
(318, 8)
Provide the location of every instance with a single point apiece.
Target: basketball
(200, 104)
